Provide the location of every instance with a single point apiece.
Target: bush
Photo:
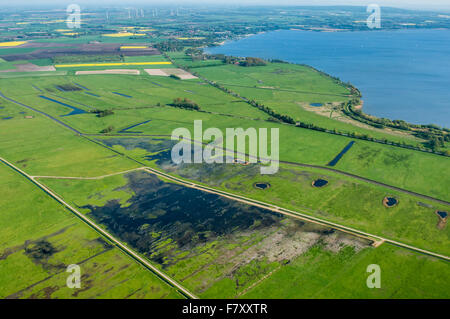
(185, 104)
(107, 130)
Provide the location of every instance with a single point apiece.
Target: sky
(407, 4)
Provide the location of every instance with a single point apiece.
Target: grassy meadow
(40, 238)
(325, 266)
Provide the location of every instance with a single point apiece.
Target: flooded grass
(202, 239)
(75, 110)
(67, 87)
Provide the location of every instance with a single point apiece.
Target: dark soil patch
(67, 87)
(41, 250)
(163, 213)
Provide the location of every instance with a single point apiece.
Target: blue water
(121, 94)
(92, 94)
(339, 156)
(126, 130)
(75, 110)
(81, 86)
(402, 74)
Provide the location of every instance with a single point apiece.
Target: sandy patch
(167, 72)
(157, 72)
(114, 71)
(332, 111)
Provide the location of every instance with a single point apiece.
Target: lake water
(402, 74)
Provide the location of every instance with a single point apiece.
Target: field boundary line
(100, 230)
(88, 178)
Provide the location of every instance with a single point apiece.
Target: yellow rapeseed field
(12, 43)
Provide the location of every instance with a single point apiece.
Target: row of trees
(274, 116)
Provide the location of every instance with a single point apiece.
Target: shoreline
(359, 108)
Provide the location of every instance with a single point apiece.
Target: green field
(413, 170)
(345, 201)
(40, 238)
(299, 259)
(214, 246)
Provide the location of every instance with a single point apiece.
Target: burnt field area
(43, 51)
(204, 240)
(187, 216)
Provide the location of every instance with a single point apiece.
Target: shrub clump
(185, 104)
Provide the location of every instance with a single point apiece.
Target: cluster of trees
(107, 130)
(102, 113)
(249, 61)
(197, 54)
(273, 114)
(169, 46)
(185, 104)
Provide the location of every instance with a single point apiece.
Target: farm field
(88, 175)
(413, 170)
(40, 238)
(217, 258)
(291, 187)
